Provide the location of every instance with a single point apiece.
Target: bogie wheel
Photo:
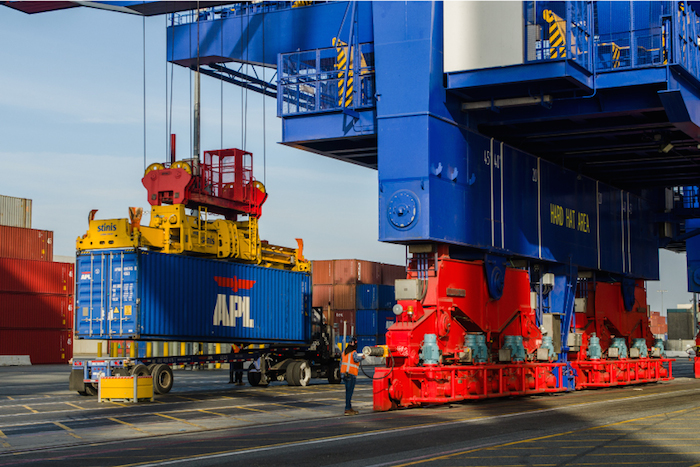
(90, 389)
(255, 377)
(140, 370)
(151, 367)
(291, 374)
(303, 373)
(162, 378)
(333, 374)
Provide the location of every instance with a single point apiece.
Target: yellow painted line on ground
(76, 406)
(11, 398)
(290, 406)
(3, 442)
(30, 409)
(190, 398)
(118, 404)
(69, 430)
(179, 420)
(130, 425)
(222, 415)
(250, 408)
(547, 437)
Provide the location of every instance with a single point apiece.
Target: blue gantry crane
(533, 157)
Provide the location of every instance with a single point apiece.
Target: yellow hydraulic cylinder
(166, 349)
(149, 349)
(218, 351)
(99, 350)
(133, 351)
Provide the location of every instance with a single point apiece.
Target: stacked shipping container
(658, 325)
(36, 294)
(357, 297)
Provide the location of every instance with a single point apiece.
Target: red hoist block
(697, 367)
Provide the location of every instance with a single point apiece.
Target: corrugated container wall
(366, 322)
(366, 297)
(322, 296)
(20, 243)
(35, 311)
(344, 297)
(322, 272)
(29, 276)
(355, 271)
(42, 345)
(391, 272)
(344, 318)
(147, 295)
(15, 212)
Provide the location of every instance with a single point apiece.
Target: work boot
(349, 412)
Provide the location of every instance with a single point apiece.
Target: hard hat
(352, 341)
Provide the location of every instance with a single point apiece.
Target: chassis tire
(334, 374)
(303, 373)
(162, 378)
(139, 370)
(291, 373)
(90, 390)
(254, 377)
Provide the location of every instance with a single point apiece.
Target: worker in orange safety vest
(349, 369)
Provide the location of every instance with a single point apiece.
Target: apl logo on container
(85, 276)
(230, 307)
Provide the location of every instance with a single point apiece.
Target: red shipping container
(392, 272)
(322, 272)
(355, 271)
(35, 311)
(16, 242)
(322, 296)
(42, 345)
(28, 276)
(344, 316)
(344, 297)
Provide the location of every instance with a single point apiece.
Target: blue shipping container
(127, 294)
(384, 321)
(367, 297)
(366, 322)
(363, 341)
(387, 298)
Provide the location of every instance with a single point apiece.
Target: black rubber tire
(162, 378)
(120, 372)
(303, 373)
(139, 370)
(151, 367)
(291, 373)
(90, 390)
(334, 374)
(254, 377)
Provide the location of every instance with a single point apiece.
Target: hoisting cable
(144, 93)
(172, 79)
(189, 30)
(221, 91)
(263, 98)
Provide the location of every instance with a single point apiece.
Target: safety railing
(316, 81)
(236, 9)
(628, 35)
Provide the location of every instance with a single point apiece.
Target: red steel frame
(457, 302)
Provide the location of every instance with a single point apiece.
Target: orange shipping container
(322, 296)
(344, 316)
(17, 242)
(322, 272)
(355, 271)
(344, 297)
(35, 311)
(42, 345)
(392, 272)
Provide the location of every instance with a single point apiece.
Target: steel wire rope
(144, 92)
(263, 100)
(169, 116)
(221, 90)
(189, 31)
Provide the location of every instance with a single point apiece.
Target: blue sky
(71, 128)
(72, 140)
